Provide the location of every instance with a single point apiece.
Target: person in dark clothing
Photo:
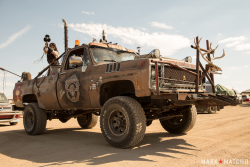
(52, 53)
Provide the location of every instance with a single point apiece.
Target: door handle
(63, 73)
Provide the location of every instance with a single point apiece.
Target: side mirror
(155, 53)
(75, 60)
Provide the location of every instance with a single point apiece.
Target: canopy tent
(246, 92)
(219, 89)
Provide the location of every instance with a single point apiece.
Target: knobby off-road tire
(13, 123)
(34, 119)
(87, 121)
(212, 109)
(123, 122)
(181, 124)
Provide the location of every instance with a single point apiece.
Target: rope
(4, 79)
(39, 60)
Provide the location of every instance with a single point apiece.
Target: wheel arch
(116, 88)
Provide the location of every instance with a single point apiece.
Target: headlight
(188, 59)
(153, 74)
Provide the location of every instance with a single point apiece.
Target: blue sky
(169, 26)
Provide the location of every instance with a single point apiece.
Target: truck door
(45, 87)
(72, 85)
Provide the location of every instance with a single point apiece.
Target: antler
(209, 51)
(198, 47)
(218, 57)
(213, 53)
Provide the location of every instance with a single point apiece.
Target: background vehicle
(244, 97)
(6, 113)
(238, 96)
(208, 109)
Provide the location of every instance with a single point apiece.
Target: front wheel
(34, 119)
(182, 124)
(123, 122)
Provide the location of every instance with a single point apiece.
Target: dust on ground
(221, 136)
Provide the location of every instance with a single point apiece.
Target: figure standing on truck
(52, 53)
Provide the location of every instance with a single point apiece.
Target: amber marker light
(138, 82)
(77, 43)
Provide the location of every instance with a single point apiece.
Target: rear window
(3, 98)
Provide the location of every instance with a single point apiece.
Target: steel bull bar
(202, 99)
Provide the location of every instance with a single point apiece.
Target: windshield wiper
(110, 60)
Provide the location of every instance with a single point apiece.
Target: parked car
(6, 113)
(238, 96)
(244, 97)
(210, 109)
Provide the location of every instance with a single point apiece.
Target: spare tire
(87, 121)
(212, 109)
(181, 124)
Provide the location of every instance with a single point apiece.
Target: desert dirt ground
(224, 135)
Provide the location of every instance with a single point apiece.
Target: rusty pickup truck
(127, 90)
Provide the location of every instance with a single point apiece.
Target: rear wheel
(87, 121)
(212, 109)
(182, 124)
(123, 122)
(34, 119)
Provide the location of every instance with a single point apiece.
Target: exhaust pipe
(65, 34)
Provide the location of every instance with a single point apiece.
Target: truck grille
(175, 75)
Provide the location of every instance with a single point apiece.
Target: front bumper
(201, 99)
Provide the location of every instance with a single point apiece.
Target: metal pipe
(212, 83)
(204, 50)
(65, 34)
(9, 71)
(209, 58)
(157, 78)
(197, 67)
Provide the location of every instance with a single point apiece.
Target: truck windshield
(101, 55)
(3, 98)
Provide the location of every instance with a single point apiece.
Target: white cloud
(247, 52)
(168, 44)
(219, 34)
(242, 46)
(246, 66)
(161, 25)
(233, 43)
(89, 13)
(232, 39)
(15, 36)
(220, 76)
(235, 68)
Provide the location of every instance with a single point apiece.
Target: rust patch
(143, 62)
(72, 85)
(17, 93)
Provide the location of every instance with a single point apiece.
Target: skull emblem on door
(72, 87)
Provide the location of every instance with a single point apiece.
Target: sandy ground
(225, 136)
